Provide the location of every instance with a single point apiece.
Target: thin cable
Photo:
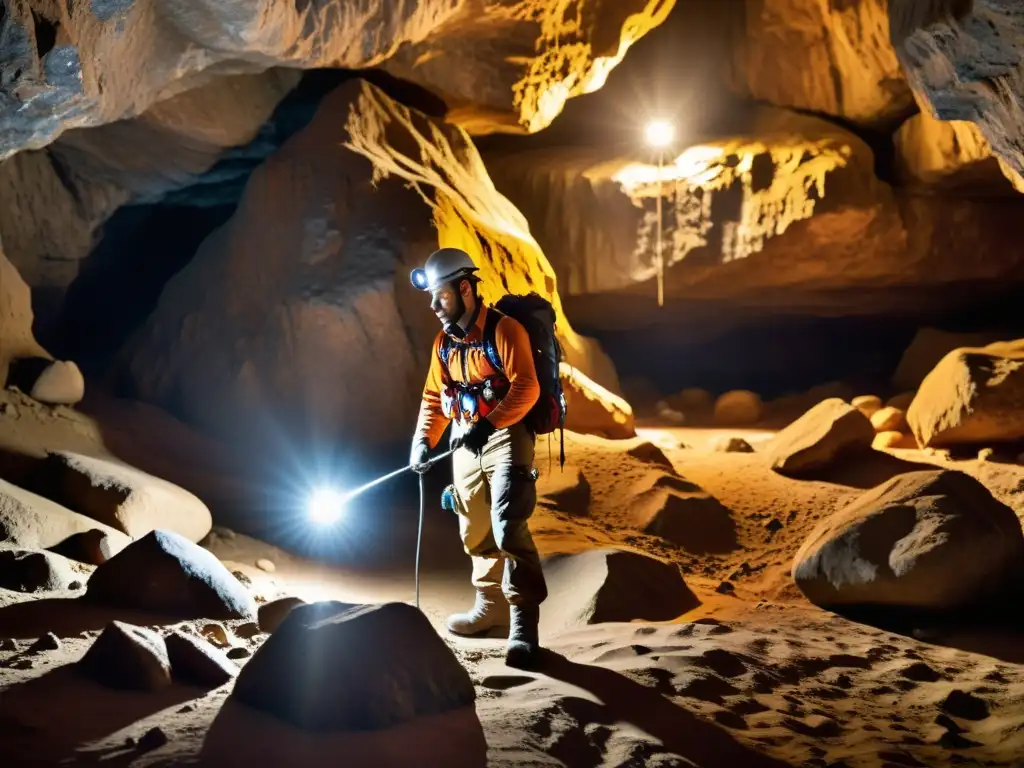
(419, 538)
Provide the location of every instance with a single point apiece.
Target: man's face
(447, 304)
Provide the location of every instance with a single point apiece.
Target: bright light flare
(660, 133)
(326, 505)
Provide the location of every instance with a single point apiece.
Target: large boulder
(934, 539)
(301, 304)
(785, 215)
(129, 658)
(509, 65)
(950, 155)
(167, 574)
(30, 521)
(593, 410)
(961, 59)
(119, 496)
(831, 429)
(974, 395)
(926, 349)
(833, 58)
(28, 571)
(337, 667)
(611, 585)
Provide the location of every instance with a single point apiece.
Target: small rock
(154, 738)
(10, 410)
(216, 634)
(7, 644)
(272, 614)
(242, 578)
(27, 571)
(128, 658)
(248, 630)
(732, 445)
(885, 440)
(239, 653)
(725, 588)
(266, 565)
(773, 525)
(921, 673)
(867, 404)
(196, 661)
(964, 705)
(23, 663)
(94, 547)
(888, 419)
(224, 533)
(949, 723)
(818, 438)
(186, 709)
(75, 585)
(985, 454)
(48, 642)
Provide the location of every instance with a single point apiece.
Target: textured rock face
(788, 213)
(824, 56)
(934, 539)
(962, 58)
(81, 64)
(944, 154)
(829, 430)
(85, 175)
(974, 395)
(16, 338)
(302, 305)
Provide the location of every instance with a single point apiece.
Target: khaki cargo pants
(495, 494)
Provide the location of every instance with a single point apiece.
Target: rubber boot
(523, 651)
(489, 611)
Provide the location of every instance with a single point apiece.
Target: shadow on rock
(45, 721)
(626, 701)
(866, 470)
(244, 737)
(66, 617)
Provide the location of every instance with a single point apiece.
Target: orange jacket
(512, 343)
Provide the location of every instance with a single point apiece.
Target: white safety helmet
(443, 266)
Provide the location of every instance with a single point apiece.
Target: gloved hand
(418, 457)
(476, 438)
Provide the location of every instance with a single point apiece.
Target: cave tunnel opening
(143, 245)
(778, 353)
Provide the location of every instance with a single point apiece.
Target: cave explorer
(494, 488)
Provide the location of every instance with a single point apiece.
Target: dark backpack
(537, 316)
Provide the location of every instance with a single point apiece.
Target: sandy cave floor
(754, 676)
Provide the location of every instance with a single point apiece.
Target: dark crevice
(63, 176)
(144, 246)
(46, 34)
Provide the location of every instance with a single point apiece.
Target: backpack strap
(490, 332)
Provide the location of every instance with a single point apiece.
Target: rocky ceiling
(835, 157)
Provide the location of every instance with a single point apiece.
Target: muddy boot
(490, 611)
(523, 651)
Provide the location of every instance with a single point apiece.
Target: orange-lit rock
(787, 214)
(829, 57)
(962, 58)
(593, 410)
(297, 317)
(943, 154)
(514, 61)
(16, 337)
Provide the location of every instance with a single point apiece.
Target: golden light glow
(659, 133)
(793, 170)
(443, 166)
(565, 65)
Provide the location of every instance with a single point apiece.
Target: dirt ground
(754, 675)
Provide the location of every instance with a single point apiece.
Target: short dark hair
(473, 281)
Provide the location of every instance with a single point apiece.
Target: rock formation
(74, 65)
(833, 58)
(932, 539)
(830, 430)
(16, 337)
(961, 58)
(975, 395)
(302, 305)
(788, 213)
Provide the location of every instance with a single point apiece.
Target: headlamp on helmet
(443, 266)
